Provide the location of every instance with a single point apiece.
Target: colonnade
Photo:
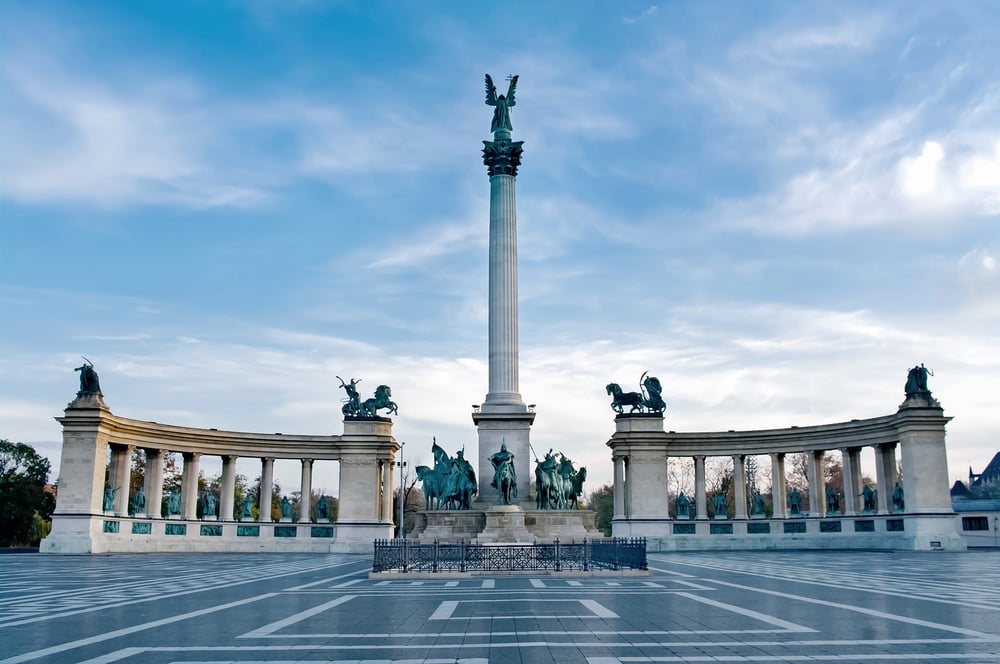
(119, 475)
(96, 464)
(922, 519)
(885, 471)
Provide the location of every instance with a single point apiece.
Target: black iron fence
(402, 555)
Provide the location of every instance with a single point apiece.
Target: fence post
(434, 563)
(558, 555)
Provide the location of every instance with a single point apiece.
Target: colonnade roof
(839, 435)
(174, 438)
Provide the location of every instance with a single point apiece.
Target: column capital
(502, 156)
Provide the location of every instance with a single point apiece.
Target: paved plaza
(695, 607)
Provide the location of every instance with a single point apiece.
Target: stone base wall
(111, 534)
(544, 525)
(903, 532)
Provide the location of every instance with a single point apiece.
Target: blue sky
(777, 208)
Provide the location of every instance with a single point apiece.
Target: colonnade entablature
(95, 508)
(642, 450)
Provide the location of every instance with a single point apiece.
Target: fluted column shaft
(619, 491)
(124, 479)
(851, 470)
(305, 501)
(700, 497)
(154, 482)
(189, 485)
(266, 486)
(503, 325)
(778, 505)
(817, 485)
(739, 487)
(228, 489)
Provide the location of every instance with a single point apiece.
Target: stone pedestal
(450, 526)
(505, 524)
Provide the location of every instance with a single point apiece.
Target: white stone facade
(641, 452)
(80, 524)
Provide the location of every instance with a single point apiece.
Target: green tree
(23, 474)
(602, 501)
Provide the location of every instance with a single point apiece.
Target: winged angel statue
(502, 104)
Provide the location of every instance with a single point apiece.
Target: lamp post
(402, 495)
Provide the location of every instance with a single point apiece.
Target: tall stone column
(386, 509)
(124, 479)
(885, 475)
(779, 509)
(619, 491)
(154, 479)
(817, 486)
(850, 460)
(189, 485)
(305, 501)
(700, 497)
(266, 486)
(228, 490)
(739, 487)
(503, 418)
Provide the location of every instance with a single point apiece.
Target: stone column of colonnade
(779, 509)
(120, 476)
(850, 460)
(266, 487)
(739, 487)
(305, 498)
(387, 484)
(189, 485)
(154, 481)
(817, 486)
(228, 488)
(619, 488)
(885, 475)
(700, 497)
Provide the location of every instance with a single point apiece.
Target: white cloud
(920, 174)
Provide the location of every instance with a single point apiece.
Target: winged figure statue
(501, 104)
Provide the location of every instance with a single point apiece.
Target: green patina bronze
(174, 502)
(286, 508)
(451, 483)
(138, 502)
(719, 503)
(558, 484)
(683, 506)
(758, 504)
(504, 474)
(354, 407)
(898, 504)
(648, 400)
(794, 502)
(109, 498)
(247, 511)
(208, 504)
(916, 383)
(89, 382)
(501, 105)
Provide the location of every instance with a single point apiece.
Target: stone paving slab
(695, 607)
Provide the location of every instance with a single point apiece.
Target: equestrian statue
(649, 400)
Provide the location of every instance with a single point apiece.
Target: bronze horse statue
(621, 399)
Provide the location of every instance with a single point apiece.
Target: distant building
(977, 506)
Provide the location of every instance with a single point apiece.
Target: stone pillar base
(359, 536)
(505, 524)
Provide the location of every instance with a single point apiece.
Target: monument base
(488, 524)
(505, 524)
